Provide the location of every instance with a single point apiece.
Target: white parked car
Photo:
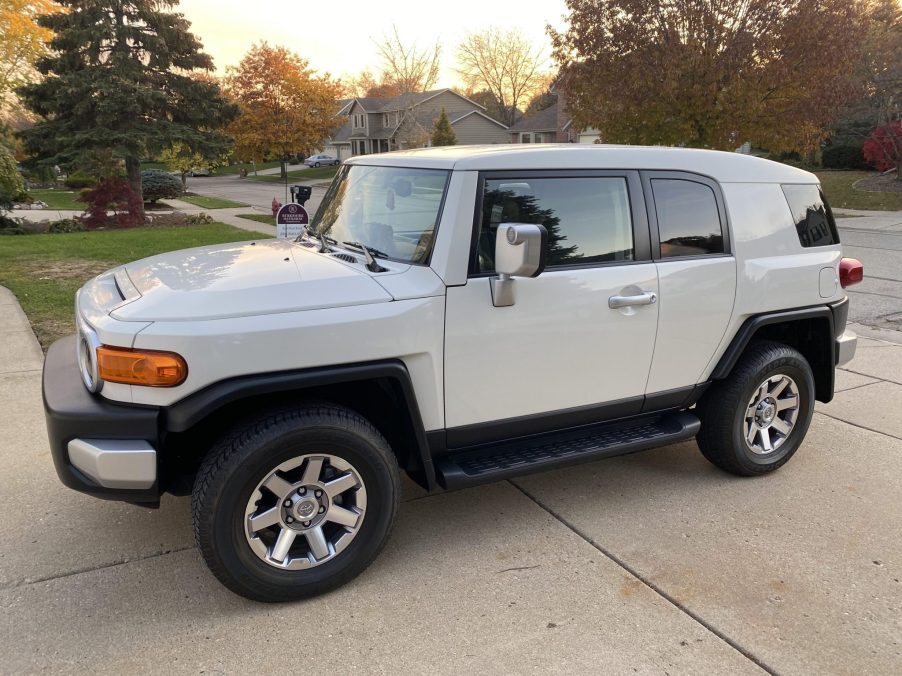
(463, 315)
(321, 160)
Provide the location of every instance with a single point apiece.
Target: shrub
(10, 226)
(66, 225)
(79, 181)
(843, 157)
(199, 219)
(157, 184)
(10, 180)
(110, 194)
(883, 149)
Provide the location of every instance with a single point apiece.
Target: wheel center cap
(306, 508)
(767, 412)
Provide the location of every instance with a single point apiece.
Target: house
(552, 125)
(379, 125)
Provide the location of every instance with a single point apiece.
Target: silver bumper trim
(115, 463)
(845, 347)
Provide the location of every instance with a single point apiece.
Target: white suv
(465, 314)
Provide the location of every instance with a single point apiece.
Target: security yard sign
(290, 221)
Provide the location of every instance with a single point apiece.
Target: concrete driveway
(651, 563)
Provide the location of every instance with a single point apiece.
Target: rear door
(691, 247)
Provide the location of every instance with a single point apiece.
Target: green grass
(45, 271)
(837, 186)
(260, 218)
(233, 169)
(299, 175)
(58, 199)
(205, 202)
(154, 165)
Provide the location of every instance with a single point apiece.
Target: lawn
(299, 175)
(45, 271)
(205, 202)
(233, 169)
(837, 186)
(58, 199)
(260, 218)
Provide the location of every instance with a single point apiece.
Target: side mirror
(520, 250)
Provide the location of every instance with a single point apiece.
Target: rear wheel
(757, 418)
(295, 503)
(316, 164)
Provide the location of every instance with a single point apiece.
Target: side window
(688, 219)
(812, 215)
(588, 219)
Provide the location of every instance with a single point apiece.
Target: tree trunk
(284, 166)
(133, 172)
(184, 181)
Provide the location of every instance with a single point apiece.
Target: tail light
(851, 271)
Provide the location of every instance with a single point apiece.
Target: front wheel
(755, 420)
(295, 503)
(316, 164)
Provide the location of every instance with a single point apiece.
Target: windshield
(391, 210)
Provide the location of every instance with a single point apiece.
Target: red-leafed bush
(883, 149)
(111, 194)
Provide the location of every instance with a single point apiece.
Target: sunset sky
(338, 37)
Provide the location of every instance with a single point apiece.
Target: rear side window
(812, 215)
(588, 219)
(688, 219)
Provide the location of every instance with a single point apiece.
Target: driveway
(650, 563)
(256, 193)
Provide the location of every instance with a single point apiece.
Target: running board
(550, 451)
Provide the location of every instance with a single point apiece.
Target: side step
(549, 451)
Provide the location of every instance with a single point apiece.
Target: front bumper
(100, 448)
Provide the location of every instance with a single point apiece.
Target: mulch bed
(879, 183)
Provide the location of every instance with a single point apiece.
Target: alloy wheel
(771, 414)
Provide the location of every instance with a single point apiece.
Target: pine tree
(120, 81)
(442, 133)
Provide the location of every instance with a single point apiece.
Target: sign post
(290, 221)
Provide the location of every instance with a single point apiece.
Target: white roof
(723, 166)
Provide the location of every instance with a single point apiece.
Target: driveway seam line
(858, 387)
(80, 571)
(651, 585)
(867, 375)
(861, 427)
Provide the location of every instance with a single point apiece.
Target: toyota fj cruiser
(466, 314)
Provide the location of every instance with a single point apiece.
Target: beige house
(552, 125)
(379, 125)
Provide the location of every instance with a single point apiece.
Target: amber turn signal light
(140, 367)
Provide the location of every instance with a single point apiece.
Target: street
(649, 563)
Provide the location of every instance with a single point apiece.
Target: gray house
(379, 125)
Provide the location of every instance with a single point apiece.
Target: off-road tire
(232, 469)
(723, 408)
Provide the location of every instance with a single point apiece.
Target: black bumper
(72, 412)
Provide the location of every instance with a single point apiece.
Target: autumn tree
(365, 84)
(285, 107)
(710, 73)
(182, 158)
(883, 148)
(504, 63)
(406, 67)
(22, 42)
(487, 100)
(541, 102)
(442, 133)
(118, 85)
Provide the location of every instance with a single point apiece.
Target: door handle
(647, 298)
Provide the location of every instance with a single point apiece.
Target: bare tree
(406, 67)
(506, 64)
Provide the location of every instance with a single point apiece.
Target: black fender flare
(184, 414)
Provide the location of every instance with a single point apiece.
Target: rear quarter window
(811, 214)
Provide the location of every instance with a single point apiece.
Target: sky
(337, 36)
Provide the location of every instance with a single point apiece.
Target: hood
(242, 279)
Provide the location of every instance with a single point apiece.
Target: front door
(560, 355)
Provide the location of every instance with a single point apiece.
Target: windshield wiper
(370, 255)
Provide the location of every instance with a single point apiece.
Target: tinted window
(812, 215)
(588, 219)
(688, 220)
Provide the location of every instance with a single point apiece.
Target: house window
(536, 138)
(388, 119)
(360, 120)
(525, 138)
